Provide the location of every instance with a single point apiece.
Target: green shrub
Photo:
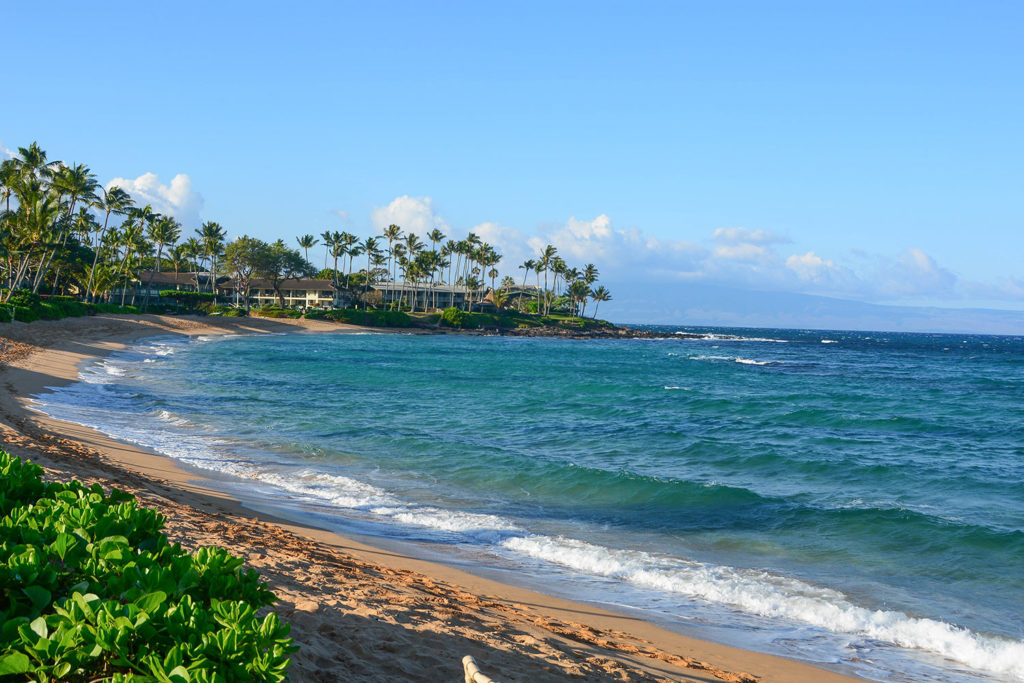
(112, 308)
(354, 316)
(271, 311)
(227, 311)
(48, 311)
(69, 307)
(6, 313)
(94, 591)
(24, 298)
(453, 317)
(26, 315)
(186, 296)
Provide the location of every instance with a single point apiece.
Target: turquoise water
(845, 498)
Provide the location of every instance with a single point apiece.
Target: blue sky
(866, 151)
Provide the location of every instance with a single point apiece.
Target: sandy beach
(358, 613)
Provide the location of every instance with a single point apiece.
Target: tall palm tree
(162, 232)
(435, 237)
(393, 233)
(307, 242)
(133, 241)
(598, 295)
(72, 183)
(133, 238)
(194, 252)
(10, 174)
(353, 249)
(372, 251)
(113, 200)
(527, 266)
(338, 250)
(33, 162)
(413, 247)
(544, 264)
(211, 236)
(327, 237)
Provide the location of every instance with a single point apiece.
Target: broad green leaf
(39, 596)
(38, 627)
(151, 601)
(14, 663)
(179, 674)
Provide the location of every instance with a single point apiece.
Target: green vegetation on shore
(63, 234)
(93, 590)
(27, 307)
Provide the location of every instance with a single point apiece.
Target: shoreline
(359, 613)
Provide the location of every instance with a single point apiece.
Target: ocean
(854, 500)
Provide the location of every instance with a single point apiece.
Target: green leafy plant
(453, 317)
(93, 590)
(354, 316)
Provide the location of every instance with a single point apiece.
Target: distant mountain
(692, 304)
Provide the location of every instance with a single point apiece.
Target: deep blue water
(855, 499)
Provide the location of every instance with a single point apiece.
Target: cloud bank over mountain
(744, 276)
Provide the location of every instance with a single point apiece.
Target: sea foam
(771, 595)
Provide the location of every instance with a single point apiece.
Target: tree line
(62, 232)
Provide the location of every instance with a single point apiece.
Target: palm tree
(577, 292)
(527, 266)
(193, 249)
(33, 162)
(164, 231)
(413, 247)
(590, 274)
(211, 236)
(113, 200)
(327, 237)
(178, 256)
(435, 237)
(133, 241)
(35, 221)
(393, 233)
(372, 251)
(133, 238)
(338, 250)
(545, 263)
(10, 175)
(598, 295)
(353, 249)
(332, 240)
(307, 242)
(75, 182)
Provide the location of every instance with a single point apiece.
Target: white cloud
(1003, 289)
(744, 235)
(597, 229)
(744, 251)
(914, 273)
(9, 153)
(412, 214)
(511, 243)
(176, 199)
(342, 214)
